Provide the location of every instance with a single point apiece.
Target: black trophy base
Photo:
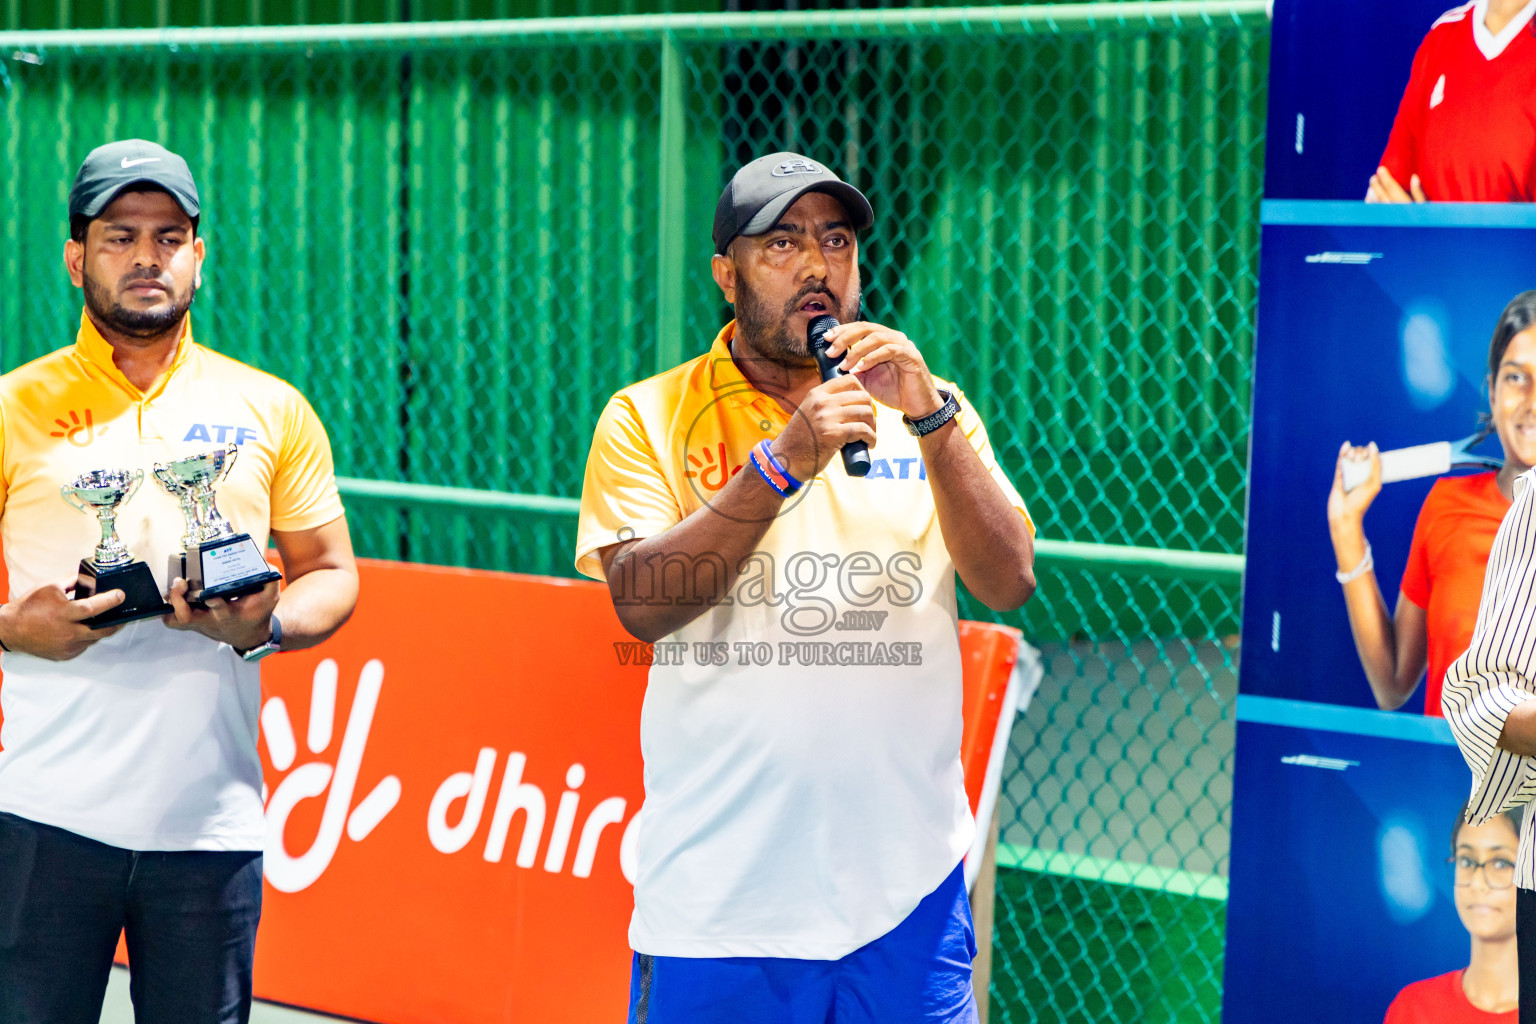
(141, 594)
(227, 567)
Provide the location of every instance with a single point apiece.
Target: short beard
(767, 333)
(134, 323)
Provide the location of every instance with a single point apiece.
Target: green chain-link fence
(458, 240)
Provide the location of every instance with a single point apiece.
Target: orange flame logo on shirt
(711, 468)
(76, 432)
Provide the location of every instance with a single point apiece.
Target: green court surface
(1069, 950)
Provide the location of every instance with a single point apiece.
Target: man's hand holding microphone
(861, 363)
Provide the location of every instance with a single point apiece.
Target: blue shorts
(920, 971)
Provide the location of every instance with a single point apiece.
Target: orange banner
(451, 782)
(451, 778)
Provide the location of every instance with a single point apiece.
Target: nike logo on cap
(141, 160)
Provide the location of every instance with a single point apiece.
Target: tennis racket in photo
(1421, 460)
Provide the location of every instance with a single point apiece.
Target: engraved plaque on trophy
(218, 561)
(111, 567)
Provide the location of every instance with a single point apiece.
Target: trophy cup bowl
(191, 481)
(101, 492)
(218, 561)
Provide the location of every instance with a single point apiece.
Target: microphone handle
(855, 453)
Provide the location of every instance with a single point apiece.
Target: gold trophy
(218, 561)
(111, 567)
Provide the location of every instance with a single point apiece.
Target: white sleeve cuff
(1500, 779)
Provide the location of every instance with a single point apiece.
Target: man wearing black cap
(805, 814)
(130, 787)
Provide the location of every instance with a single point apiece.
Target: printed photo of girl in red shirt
(1442, 584)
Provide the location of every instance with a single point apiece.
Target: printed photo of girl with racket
(1442, 584)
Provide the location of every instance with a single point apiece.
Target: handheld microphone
(855, 453)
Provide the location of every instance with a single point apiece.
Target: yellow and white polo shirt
(146, 741)
(803, 785)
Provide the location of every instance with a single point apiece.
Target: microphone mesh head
(816, 330)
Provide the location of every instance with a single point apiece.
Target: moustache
(144, 274)
(793, 305)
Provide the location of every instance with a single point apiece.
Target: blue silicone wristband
(752, 457)
(767, 451)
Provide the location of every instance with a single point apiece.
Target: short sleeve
(976, 433)
(1397, 1013)
(624, 495)
(304, 494)
(5, 471)
(1416, 581)
(1414, 1003)
(1404, 144)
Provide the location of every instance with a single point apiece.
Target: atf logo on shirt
(221, 433)
(897, 469)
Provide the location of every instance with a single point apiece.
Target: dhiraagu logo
(79, 429)
(334, 775)
(711, 467)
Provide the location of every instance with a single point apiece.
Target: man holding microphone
(805, 814)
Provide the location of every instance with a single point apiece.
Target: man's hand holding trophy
(217, 565)
(111, 566)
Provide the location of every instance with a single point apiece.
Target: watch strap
(928, 424)
(271, 645)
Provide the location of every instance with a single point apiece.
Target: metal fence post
(671, 231)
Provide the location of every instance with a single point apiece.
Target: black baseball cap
(111, 169)
(760, 192)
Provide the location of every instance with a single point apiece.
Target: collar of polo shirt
(726, 378)
(97, 351)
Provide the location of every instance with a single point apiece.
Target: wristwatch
(272, 645)
(928, 424)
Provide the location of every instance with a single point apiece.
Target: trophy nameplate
(217, 561)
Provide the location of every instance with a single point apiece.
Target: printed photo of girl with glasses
(1486, 991)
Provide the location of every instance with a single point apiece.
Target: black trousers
(189, 919)
(1525, 947)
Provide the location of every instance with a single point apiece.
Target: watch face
(257, 653)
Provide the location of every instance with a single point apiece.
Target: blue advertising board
(1344, 894)
(1373, 326)
(1367, 332)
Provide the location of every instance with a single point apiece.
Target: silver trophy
(217, 561)
(100, 493)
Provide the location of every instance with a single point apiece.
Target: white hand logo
(291, 874)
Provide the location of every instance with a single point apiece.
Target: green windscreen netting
(459, 246)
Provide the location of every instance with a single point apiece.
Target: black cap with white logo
(761, 191)
(109, 170)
